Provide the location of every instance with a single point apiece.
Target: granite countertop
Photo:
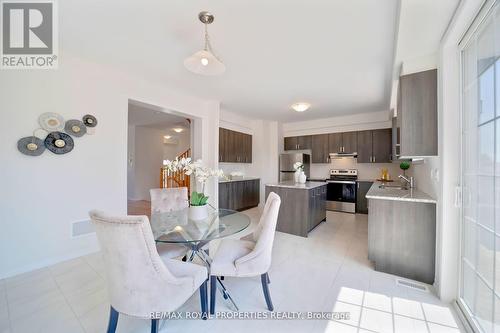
(237, 180)
(412, 195)
(291, 184)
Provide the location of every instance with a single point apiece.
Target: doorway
(154, 135)
(479, 292)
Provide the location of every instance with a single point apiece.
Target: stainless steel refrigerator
(288, 160)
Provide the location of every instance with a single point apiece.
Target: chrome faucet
(410, 181)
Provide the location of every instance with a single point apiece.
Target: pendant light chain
(208, 46)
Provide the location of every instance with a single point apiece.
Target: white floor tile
(409, 325)
(377, 321)
(439, 314)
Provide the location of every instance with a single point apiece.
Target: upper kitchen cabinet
(349, 142)
(234, 146)
(417, 114)
(374, 146)
(346, 142)
(298, 142)
(319, 147)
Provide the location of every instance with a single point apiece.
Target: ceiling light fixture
(167, 137)
(205, 62)
(301, 107)
(178, 129)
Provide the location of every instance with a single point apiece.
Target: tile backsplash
(368, 171)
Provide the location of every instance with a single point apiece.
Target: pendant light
(205, 62)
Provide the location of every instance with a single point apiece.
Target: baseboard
(50, 262)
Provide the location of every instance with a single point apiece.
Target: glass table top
(177, 227)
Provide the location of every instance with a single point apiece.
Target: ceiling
(139, 115)
(337, 55)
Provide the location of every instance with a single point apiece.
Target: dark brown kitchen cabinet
(349, 142)
(365, 146)
(239, 194)
(298, 142)
(382, 145)
(319, 147)
(361, 200)
(335, 142)
(417, 114)
(234, 146)
(374, 146)
(343, 142)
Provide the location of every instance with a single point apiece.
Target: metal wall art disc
(40, 133)
(51, 121)
(75, 127)
(59, 143)
(89, 120)
(31, 145)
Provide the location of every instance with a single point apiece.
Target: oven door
(341, 195)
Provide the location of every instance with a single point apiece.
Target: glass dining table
(178, 228)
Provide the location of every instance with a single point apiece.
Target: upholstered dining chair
(247, 258)
(140, 282)
(169, 200)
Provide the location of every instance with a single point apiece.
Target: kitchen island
(402, 231)
(303, 206)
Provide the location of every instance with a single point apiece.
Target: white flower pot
(302, 178)
(296, 176)
(198, 212)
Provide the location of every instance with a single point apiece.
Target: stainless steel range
(341, 190)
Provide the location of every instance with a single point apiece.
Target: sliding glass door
(480, 256)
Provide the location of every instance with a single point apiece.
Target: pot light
(301, 107)
(167, 137)
(178, 129)
(205, 62)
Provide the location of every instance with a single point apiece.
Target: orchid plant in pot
(198, 209)
(299, 175)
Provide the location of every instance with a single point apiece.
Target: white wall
(355, 122)
(147, 151)
(265, 142)
(42, 196)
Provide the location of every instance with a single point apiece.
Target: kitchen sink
(394, 187)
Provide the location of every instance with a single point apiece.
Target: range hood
(343, 155)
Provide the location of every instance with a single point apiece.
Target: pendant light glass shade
(205, 63)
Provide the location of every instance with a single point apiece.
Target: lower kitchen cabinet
(361, 200)
(301, 209)
(239, 194)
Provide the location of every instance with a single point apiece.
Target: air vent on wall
(412, 285)
(80, 228)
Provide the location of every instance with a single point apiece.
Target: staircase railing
(170, 179)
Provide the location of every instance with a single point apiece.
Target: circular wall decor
(59, 143)
(40, 133)
(51, 121)
(75, 127)
(89, 120)
(31, 145)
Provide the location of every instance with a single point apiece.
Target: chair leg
(204, 300)
(265, 288)
(268, 280)
(213, 289)
(113, 320)
(154, 325)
